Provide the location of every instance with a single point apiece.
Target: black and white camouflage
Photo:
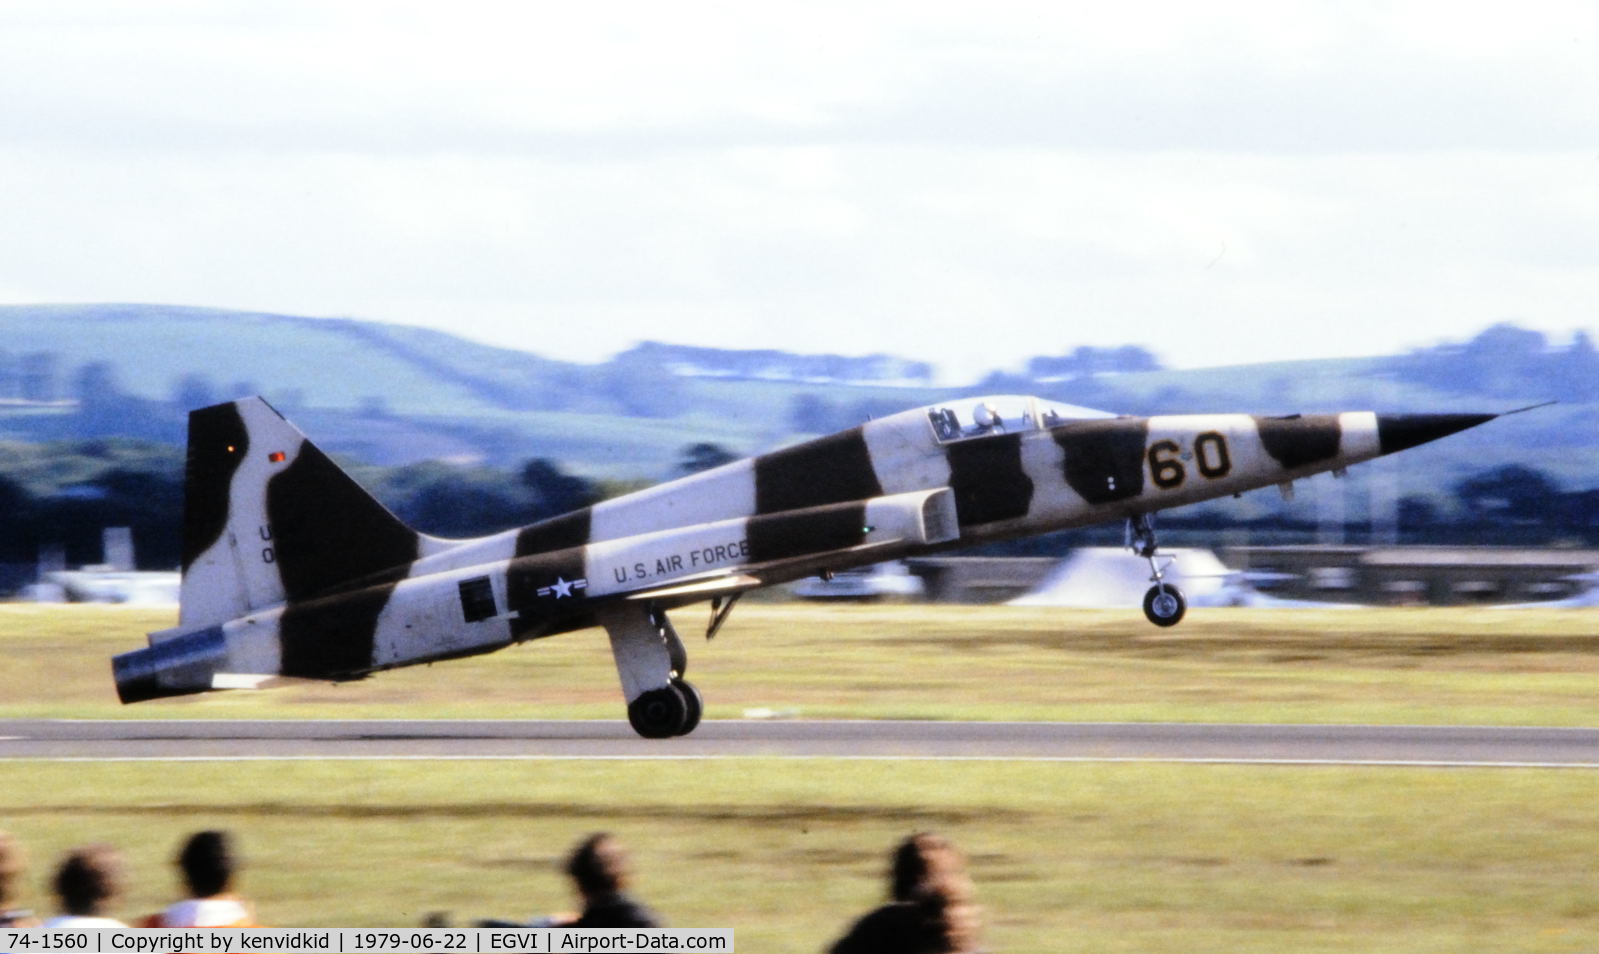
(291, 569)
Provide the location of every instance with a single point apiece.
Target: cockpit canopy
(1002, 414)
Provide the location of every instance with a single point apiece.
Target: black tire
(1164, 605)
(696, 705)
(659, 713)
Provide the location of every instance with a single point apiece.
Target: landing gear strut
(1163, 603)
(650, 660)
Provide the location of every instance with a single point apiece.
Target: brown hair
(88, 878)
(12, 863)
(599, 865)
(929, 873)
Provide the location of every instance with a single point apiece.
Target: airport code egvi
(367, 940)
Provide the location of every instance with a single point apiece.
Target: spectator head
(208, 864)
(89, 879)
(918, 859)
(12, 864)
(929, 873)
(599, 866)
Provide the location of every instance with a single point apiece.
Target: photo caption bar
(365, 940)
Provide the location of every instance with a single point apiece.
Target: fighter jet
(291, 569)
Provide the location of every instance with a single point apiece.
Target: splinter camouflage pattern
(290, 569)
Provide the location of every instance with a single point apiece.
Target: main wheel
(658, 714)
(1164, 605)
(696, 705)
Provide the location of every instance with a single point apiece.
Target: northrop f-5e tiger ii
(291, 569)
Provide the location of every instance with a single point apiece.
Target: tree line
(65, 493)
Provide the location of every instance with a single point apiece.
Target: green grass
(1080, 857)
(929, 662)
(1066, 857)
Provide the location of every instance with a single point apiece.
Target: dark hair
(929, 874)
(598, 865)
(916, 859)
(207, 862)
(88, 878)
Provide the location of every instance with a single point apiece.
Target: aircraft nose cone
(1396, 432)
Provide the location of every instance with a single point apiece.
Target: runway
(212, 740)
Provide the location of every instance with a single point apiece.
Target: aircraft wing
(724, 583)
(731, 556)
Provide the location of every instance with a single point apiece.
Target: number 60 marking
(1211, 459)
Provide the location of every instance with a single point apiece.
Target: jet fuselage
(291, 569)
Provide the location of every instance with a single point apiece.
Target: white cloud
(965, 184)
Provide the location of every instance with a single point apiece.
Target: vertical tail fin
(269, 518)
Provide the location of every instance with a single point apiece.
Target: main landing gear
(1163, 603)
(672, 709)
(651, 660)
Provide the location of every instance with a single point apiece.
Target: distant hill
(328, 363)
(388, 394)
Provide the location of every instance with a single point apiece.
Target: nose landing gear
(1164, 604)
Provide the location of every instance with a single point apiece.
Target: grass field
(1469, 666)
(1067, 857)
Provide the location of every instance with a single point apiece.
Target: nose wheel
(1164, 604)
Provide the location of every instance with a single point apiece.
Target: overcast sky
(967, 184)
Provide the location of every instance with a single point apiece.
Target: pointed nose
(1396, 432)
